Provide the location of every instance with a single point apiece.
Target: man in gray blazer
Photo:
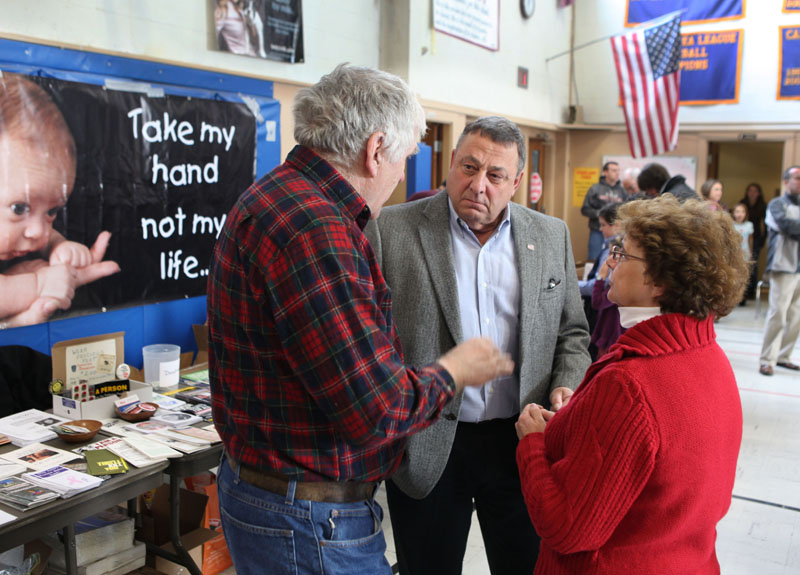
(467, 263)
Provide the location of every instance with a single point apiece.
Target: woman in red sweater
(633, 475)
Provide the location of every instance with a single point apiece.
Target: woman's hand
(532, 420)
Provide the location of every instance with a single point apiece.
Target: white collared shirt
(489, 302)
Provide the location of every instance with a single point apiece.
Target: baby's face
(35, 182)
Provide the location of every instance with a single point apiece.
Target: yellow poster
(582, 180)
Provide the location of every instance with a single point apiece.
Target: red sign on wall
(535, 187)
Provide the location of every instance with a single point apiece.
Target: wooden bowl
(141, 416)
(92, 426)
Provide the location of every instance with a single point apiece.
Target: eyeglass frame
(616, 254)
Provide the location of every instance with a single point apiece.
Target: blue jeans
(281, 535)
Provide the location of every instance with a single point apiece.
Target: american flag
(648, 69)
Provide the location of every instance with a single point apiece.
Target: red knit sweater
(633, 475)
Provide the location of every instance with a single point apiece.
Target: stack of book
(23, 495)
(31, 426)
(195, 387)
(9, 468)
(64, 481)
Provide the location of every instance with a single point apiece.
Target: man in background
(608, 190)
(629, 183)
(310, 392)
(783, 265)
(654, 180)
(470, 263)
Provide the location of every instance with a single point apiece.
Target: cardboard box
(100, 408)
(155, 529)
(201, 338)
(88, 360)
(194, 542)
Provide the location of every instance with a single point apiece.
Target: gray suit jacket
(412, 243)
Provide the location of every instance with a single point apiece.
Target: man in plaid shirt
(310, 393)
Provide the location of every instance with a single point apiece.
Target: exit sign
(522, 77)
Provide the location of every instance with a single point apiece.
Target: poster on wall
(474, 22)
(116, 193)
(582, 180)
(639, 11)
(791, 6)
(789, 63)
(711, 67)
(270, 29)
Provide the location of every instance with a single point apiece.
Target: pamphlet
(104, 462)
(67, 482)
(152, 449)
(38, 456)
(176, 418)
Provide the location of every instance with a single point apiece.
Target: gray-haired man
(310, 393)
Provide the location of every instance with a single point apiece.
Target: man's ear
(518, 180)
(374, 153)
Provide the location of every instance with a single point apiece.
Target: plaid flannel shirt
(307, 374)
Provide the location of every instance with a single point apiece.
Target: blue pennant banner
(789, 64)
(639, 11)
(711, 65)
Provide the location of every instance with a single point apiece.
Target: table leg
(70, 551)
(174, 527)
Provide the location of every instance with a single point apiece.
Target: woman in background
(711, 190)
(756, 213)
(635, 472)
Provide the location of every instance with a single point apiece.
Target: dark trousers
(430, 534)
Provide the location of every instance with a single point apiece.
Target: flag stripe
(647, 64)
(634, 97)
(616, 48)
(662, 112)
(647, 102)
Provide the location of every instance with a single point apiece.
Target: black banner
(157, 171)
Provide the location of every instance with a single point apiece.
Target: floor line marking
(769, 392)
(762, 502)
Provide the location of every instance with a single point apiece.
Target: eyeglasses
(617, 254)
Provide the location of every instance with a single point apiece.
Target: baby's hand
(56, 282)
(72, 254)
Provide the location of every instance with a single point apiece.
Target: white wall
(597, 84)
(182, 31)
(462, 74)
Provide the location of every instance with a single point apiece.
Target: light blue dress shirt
(488, 296)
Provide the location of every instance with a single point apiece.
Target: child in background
(37, 174)
(744, 226)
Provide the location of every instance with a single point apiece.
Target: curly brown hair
(694, 254)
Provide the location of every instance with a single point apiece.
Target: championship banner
(640, 11)
(789, 64)
(711, 66)
(156, 171)
(791, 6)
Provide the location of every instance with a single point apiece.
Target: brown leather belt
(326, 491)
